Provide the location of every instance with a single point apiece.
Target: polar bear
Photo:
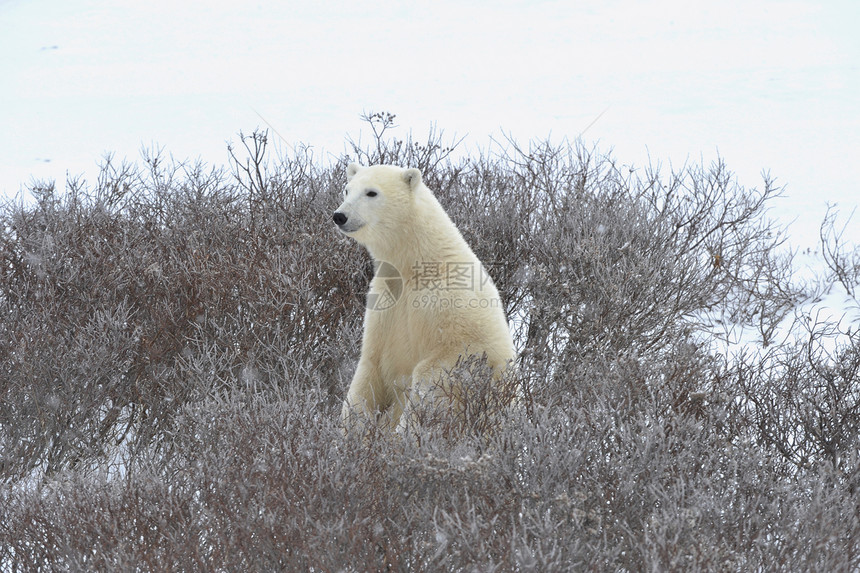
(430, 303)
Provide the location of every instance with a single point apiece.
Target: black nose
(339, 218)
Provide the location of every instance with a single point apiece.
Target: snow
(769, 86)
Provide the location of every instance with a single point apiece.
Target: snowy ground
(770, 85)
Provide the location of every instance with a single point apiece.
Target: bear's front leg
(365, 396)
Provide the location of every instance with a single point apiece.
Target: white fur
(407, 346)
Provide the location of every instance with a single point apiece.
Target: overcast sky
(769, 85)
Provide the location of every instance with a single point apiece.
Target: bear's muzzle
(346, 224)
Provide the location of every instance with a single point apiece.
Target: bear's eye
(371, 193)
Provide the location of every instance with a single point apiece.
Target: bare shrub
(842, 260)
(124, 302)
(175, 341)
(803, 400)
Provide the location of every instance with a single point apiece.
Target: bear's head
(378, 203)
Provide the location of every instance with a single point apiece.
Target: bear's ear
(412, 177)
(351, 170)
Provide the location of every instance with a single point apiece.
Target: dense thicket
(175, 341)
